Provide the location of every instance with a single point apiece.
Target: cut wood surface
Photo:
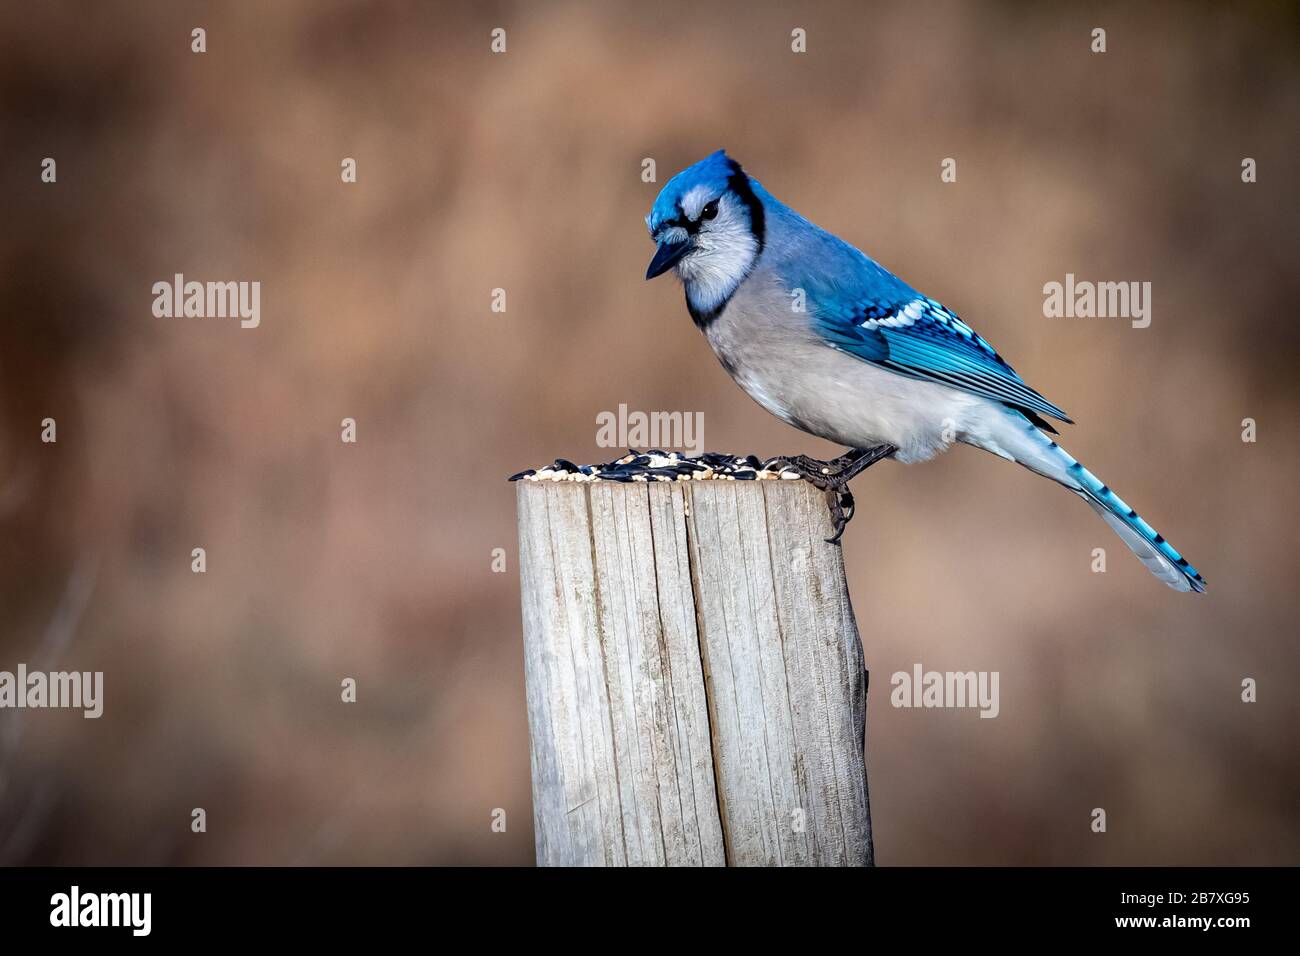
(695, 681)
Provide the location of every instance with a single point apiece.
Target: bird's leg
(832, 474)
(833, 478)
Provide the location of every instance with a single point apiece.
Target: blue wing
(898, 329)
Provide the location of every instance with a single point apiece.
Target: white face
(724, 248)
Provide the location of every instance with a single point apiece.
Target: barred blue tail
(1152, 549)
(1044, 456)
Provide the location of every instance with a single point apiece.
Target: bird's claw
(838, 499)
(833, 478)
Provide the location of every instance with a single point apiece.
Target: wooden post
(695, 682)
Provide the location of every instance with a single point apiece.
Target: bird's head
(709, 224)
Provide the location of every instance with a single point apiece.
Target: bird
(831, 342)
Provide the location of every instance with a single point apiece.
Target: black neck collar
(739, 184)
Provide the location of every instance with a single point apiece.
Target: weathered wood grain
(695, 682)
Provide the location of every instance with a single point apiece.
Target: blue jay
(834, 344)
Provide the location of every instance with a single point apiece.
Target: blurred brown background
(522, 171)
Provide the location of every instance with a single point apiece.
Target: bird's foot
(833, 478)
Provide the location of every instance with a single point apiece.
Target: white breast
(774, 355)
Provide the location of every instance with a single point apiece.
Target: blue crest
(714, 171)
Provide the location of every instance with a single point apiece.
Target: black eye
(709, 211)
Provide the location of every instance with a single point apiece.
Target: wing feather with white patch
(917, 337)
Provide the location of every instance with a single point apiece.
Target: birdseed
(656, 465)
